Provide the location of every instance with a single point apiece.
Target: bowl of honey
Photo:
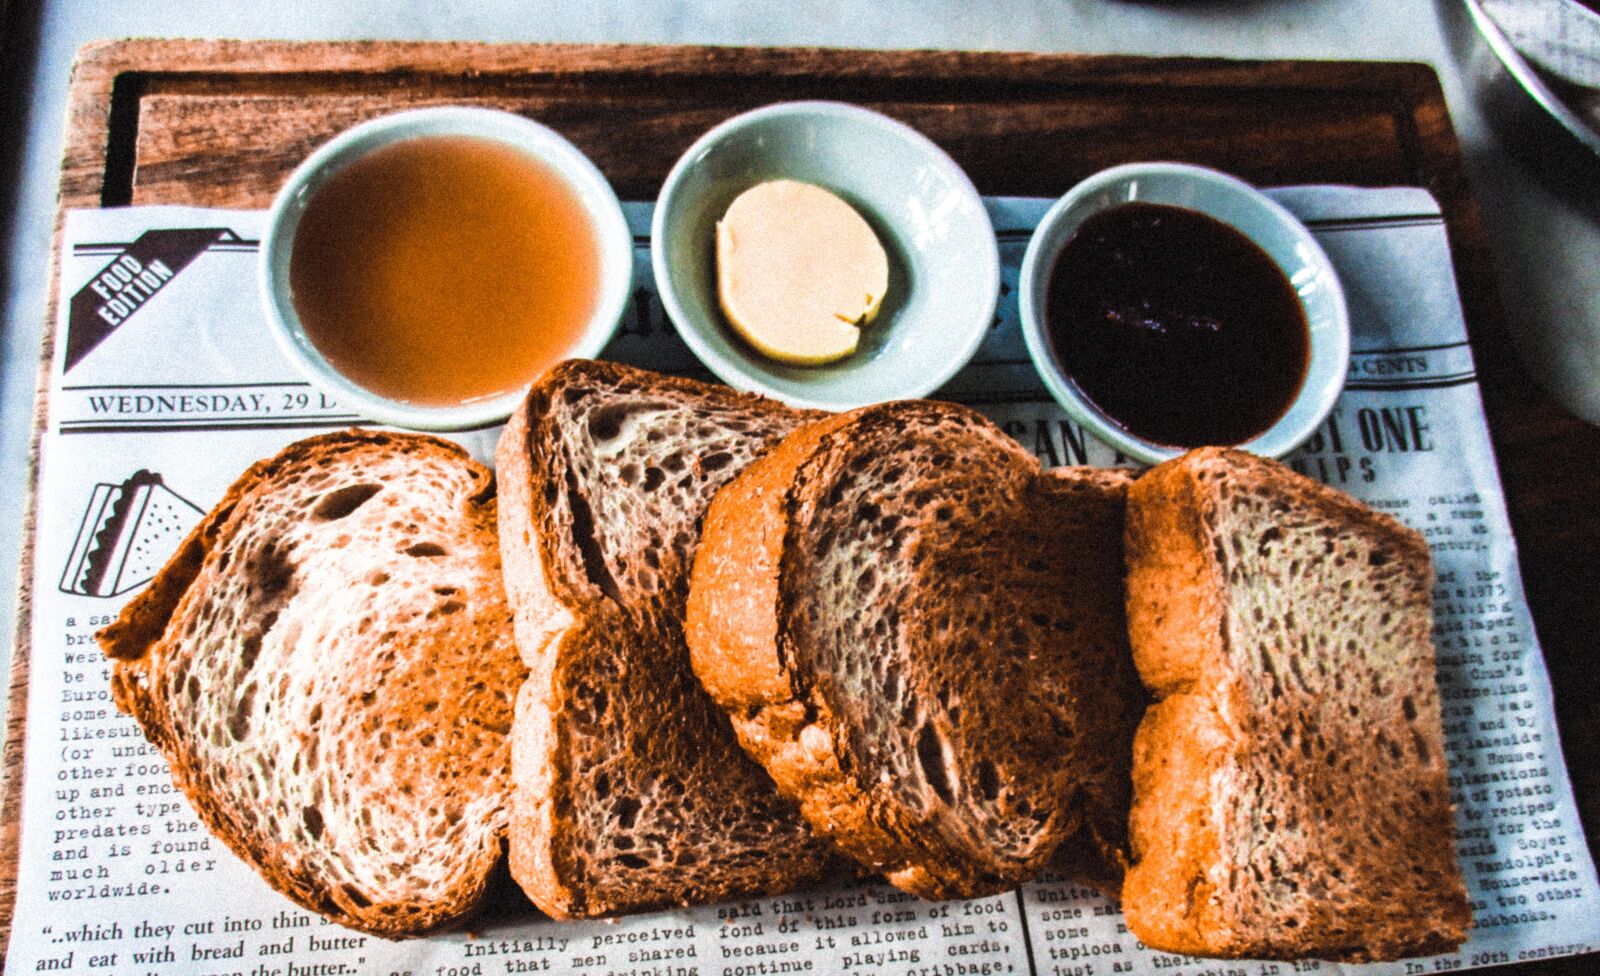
(424, 268)
(1169, 306)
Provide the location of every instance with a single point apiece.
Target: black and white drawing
(126, 535)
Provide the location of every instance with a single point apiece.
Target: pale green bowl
(944, 264)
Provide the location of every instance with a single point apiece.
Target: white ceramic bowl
(1236, 203)
(524, 135)
(944, 264)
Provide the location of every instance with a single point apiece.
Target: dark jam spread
(1176, 325)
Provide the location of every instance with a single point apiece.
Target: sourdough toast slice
(327, 663)
(1290, 794)
(631, 790)
(920, 634)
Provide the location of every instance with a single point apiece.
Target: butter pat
(797, 270)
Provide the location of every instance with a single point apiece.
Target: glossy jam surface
(1177, 326)
(444, 270)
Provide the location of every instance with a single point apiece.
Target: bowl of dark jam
(1169, 306)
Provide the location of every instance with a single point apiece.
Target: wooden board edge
(234, 57)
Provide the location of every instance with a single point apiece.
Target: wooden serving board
(221, 123)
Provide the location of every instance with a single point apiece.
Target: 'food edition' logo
(136, 275)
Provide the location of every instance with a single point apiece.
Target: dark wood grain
(221, 123)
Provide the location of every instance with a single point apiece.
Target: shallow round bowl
(615, 248)
(944, 264)
(1236, 203)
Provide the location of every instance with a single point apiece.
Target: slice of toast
(1290, 794)
(920, 634)
(631, 791)
(327, 663)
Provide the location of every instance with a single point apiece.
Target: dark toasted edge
(540, 803)
(139, 629)
(1097, 853)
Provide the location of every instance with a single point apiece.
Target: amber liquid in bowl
(443, 270)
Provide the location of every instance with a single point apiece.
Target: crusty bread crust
(539, 621)
(588, 634)
(745, 652)
(1290, 792)
(412, 745)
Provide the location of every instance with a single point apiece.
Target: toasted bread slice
(1290, 794)
(631, 791)
(327, 663)
(920, 634)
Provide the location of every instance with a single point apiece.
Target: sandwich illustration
(127, 533)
